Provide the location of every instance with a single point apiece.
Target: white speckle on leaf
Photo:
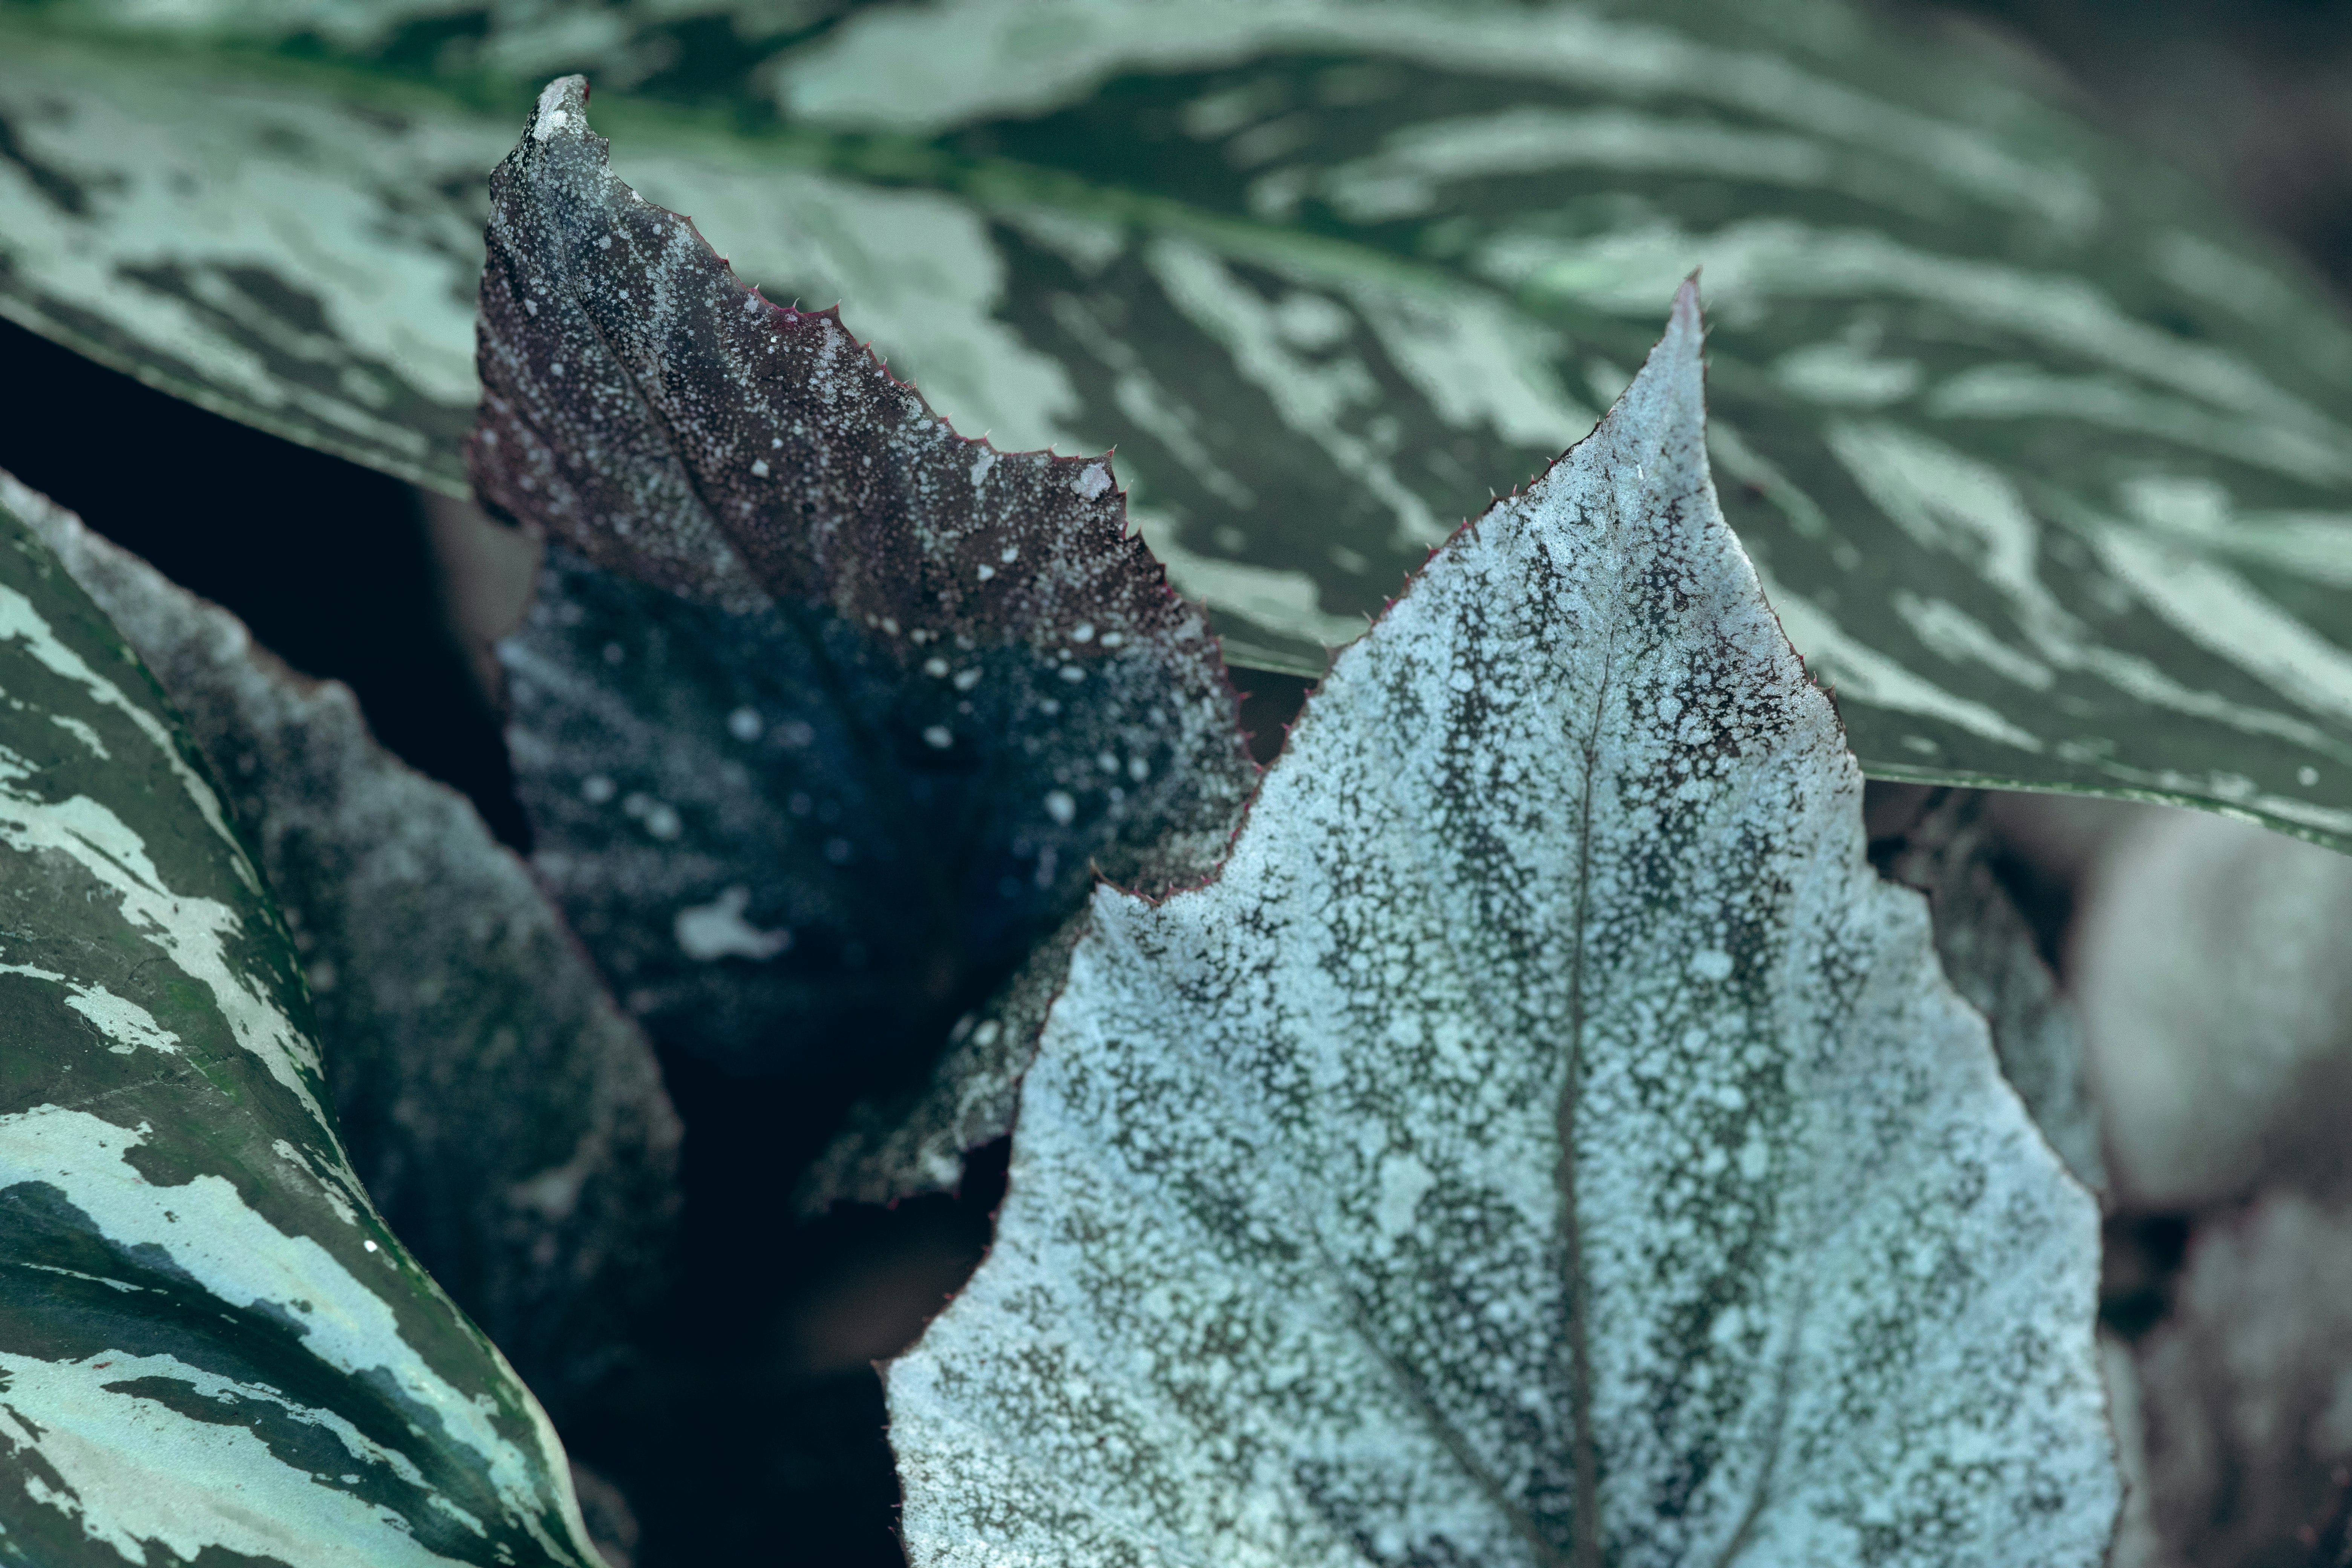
(759, 468)
(718, 930)
(980, 464)
(1060, 807)
(597, 789)
(1082, 632)
(935, 667)
(985, 572)
(1712, 963)
(1073, 673)
(551, 117)
(1093, 480)
(1404, 1181)
(938, 737)
(966, 678)
(745, 724)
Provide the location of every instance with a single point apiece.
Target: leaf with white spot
(211, 1346)
(824, 715)
(507, 1120)
(1546, 1143)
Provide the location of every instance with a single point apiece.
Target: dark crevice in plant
(327, 562)
(2141, 1257)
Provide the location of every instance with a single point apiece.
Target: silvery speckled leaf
(507, 1119)
(2041, 458)
(211, 1346)
(824, 715)
(1950, 853)
(1546, 1143)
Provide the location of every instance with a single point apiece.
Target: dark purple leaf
(825, 714)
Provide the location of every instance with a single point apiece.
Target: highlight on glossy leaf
(1546, 1143)
(825, 715)
(211, 1346)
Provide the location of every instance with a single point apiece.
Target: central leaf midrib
(1585, 1520)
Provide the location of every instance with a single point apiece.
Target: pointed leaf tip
(1546, 1142)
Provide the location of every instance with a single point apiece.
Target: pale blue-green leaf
(2041, 460)
(1547, 1143)
(211, 1346)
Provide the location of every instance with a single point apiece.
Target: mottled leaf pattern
(1546, 1143)
(508, 1121)
(2041, 461)
(254, 246)
(211, 1347)
(824, 715)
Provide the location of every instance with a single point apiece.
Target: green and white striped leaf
(2042, 463)
(1547, 1143)
(507, 1118)
(211, 1347)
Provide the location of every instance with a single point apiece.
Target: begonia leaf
(825, 715)
(1546, 1143)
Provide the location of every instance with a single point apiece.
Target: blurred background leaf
(2043, 457)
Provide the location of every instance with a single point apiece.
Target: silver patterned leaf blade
(824, 715)
(211, 1345)
(506, 1119)
(2040, 457)
(1546, 1143)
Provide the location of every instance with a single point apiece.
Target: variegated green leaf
(1546, 1143)
(211, 1347)
(507, 1120)
(2042, 463)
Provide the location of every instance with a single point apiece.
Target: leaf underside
(1546, 1143)
(508, 1122)
(210, 1344)
(824, 715)
(2041, 458)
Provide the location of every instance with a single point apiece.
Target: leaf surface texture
(1546, 1143)
(825, 714)
(507, 1120)
(211, 1346)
